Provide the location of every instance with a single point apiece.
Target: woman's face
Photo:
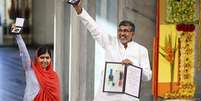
(44, 60)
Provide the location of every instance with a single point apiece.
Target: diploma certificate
(121, 78)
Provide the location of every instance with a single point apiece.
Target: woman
(42, 82)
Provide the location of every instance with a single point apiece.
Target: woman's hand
(14, 30)
(13, 27)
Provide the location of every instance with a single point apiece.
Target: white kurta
(32, 85)
(115, 52)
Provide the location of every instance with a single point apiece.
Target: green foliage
(181, 11)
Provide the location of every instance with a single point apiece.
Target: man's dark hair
(43, 50)
(127, 23)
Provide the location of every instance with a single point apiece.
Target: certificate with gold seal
(121, 78)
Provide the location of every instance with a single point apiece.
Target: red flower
(185, 27)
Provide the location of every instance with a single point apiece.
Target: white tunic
(32, 85)
(115, 52)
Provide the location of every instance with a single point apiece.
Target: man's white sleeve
(145, 64)
(99, 35)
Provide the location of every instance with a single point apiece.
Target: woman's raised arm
(26, 60)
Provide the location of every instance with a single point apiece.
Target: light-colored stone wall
(43, 21)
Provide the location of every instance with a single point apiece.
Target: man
(121, 49)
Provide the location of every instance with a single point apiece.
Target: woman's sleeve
(24, 54)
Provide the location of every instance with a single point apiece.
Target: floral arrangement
(185, 27)
(186, 86)
(180, 11)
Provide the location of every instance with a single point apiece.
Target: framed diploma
(19, 25)
(73, 2)
(121, 78)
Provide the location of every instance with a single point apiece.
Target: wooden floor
(12, 79)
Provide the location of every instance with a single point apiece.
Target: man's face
(44, 60)
(125, 34)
